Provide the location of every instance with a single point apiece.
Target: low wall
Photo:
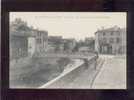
(65, 78)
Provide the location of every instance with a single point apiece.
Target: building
(55, 44)
(19, 34)
(31, 45)
(25, 41)
(90, 42)
(69, 44)
(41, 40)
(111, 41)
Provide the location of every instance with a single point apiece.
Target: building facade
(25, 41)
(41, 41)
(111, 41)
(55, 44)
(31, 45)
(69, 44)
(18, 47)
(19, 34)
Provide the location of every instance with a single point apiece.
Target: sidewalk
(112, 74)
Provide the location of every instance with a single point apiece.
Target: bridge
(74, 74)
(86, 57)
(75, 55)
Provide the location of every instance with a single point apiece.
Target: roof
(69, 40)
(55, 39)
(42, 31)
(20, 28)
(115, 28)
(29, 33)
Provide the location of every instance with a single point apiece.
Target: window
(118, 40)
(38, 40)
(112, 33)
(20, 51)
(38, 34)
(118, 33)
(104, 34)
(111, 40)
(104, 40)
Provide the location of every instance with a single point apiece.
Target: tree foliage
(19, 25)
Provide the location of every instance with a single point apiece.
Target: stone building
(111, 41)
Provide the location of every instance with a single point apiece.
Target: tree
(19, 25)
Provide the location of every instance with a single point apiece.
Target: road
(112, 74)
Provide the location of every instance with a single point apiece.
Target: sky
(76, 25)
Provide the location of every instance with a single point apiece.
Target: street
(112, 74)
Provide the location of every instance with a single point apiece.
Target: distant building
(55, 43)
(54, 39)
(69, 44)
(90, 42)
(111, 41)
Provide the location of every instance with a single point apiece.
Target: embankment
(68, 77)
(33, 72)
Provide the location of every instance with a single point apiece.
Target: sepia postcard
(68, 50)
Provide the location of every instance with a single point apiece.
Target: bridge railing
(65, 53)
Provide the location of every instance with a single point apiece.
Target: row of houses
(25, 41)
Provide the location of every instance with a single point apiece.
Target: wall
(97, 47)
(31, 45)
(18, 46)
